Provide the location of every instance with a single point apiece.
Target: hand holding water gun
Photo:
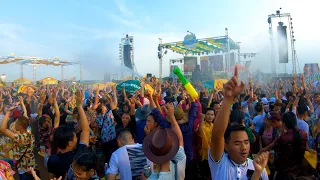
(186, 84)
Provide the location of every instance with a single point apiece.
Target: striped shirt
(129, 161)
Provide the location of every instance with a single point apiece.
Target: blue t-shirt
(258, 121)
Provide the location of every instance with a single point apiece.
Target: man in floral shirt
(23, 144)
(107, 124)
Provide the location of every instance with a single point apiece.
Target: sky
(90, 31)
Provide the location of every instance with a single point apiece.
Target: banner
(149, 88)
(131, 86)
(208, 84)
(25, 89)
(218, 83)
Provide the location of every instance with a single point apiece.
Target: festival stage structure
(214, 53)
(36, 61)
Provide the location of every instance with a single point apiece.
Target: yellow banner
(218, 83)
(149, 88)
(25, 89)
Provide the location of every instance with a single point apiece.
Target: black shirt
(59, 164)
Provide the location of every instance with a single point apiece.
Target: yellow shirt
(206, 139)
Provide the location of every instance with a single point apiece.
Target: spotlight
(159, 47)
(294, 40)
(291, 19)
(173, 62)
(165, 52)
(292, 32)
(180, 61)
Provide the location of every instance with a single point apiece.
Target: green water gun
(186, 84)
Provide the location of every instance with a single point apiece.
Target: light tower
(292, 40)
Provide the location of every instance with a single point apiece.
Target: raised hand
(34, 174)
(142, 84)
(79, 97)
(15, 106)
(300, 91)
(114, 90)
(54, 94)
(169, 109)
(260, 162)
(20, 99)
(250, 83)
(302, 77)
(233, 88)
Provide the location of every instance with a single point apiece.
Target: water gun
(186, 84)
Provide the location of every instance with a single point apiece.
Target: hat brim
(160, 159)
(140, 116)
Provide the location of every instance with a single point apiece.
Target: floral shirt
(24, 143)
(45, 131)
(107, 125)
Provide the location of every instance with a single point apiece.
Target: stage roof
(34, 60)
(202, 46)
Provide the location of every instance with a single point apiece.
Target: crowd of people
(253, 131)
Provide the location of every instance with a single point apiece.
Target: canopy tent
(201, 46)
(34, 60)
(22, 81)
(48, 80)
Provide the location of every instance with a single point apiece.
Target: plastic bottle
(186, 84)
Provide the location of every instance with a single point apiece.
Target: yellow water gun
(186, 84)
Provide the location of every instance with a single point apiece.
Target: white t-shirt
(227, 169)
(129, 161)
